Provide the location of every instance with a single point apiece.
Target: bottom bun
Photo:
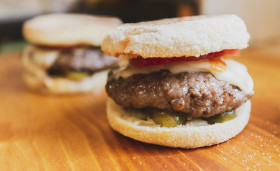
(47, 84)
(197, 133)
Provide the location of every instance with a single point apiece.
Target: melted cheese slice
(233, 72)
(43, 58)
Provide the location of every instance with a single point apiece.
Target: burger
(65, 55)
(178, 84)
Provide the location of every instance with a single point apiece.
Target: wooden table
(39, 132)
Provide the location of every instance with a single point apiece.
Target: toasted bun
(188, 136)
(36, 76)
(177, 37)
(46, 84)
(68, 29)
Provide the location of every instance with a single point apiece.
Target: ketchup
(140, 62)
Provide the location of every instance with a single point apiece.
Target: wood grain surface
(43, 132)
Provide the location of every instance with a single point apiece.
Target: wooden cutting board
(40, 132)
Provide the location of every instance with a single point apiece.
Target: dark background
(127, 10)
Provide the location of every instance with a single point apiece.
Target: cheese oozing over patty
(227, 70)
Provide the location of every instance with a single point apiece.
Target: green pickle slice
(77, 75)
(168, 118)
(221, 117)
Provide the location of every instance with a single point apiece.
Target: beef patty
(198, 94)
(81, 59)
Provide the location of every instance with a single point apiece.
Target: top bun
(68, 29)
(177, 37)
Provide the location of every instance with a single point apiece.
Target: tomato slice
(140, 62)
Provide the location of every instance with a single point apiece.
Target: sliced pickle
(77, 75)
(168, 118)
(221, 117)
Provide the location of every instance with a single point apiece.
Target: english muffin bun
(37, 78)
(194, 134)
(177, 37)
(68, 29)
(47, 84)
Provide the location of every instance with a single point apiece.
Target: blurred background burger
(64, 54)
